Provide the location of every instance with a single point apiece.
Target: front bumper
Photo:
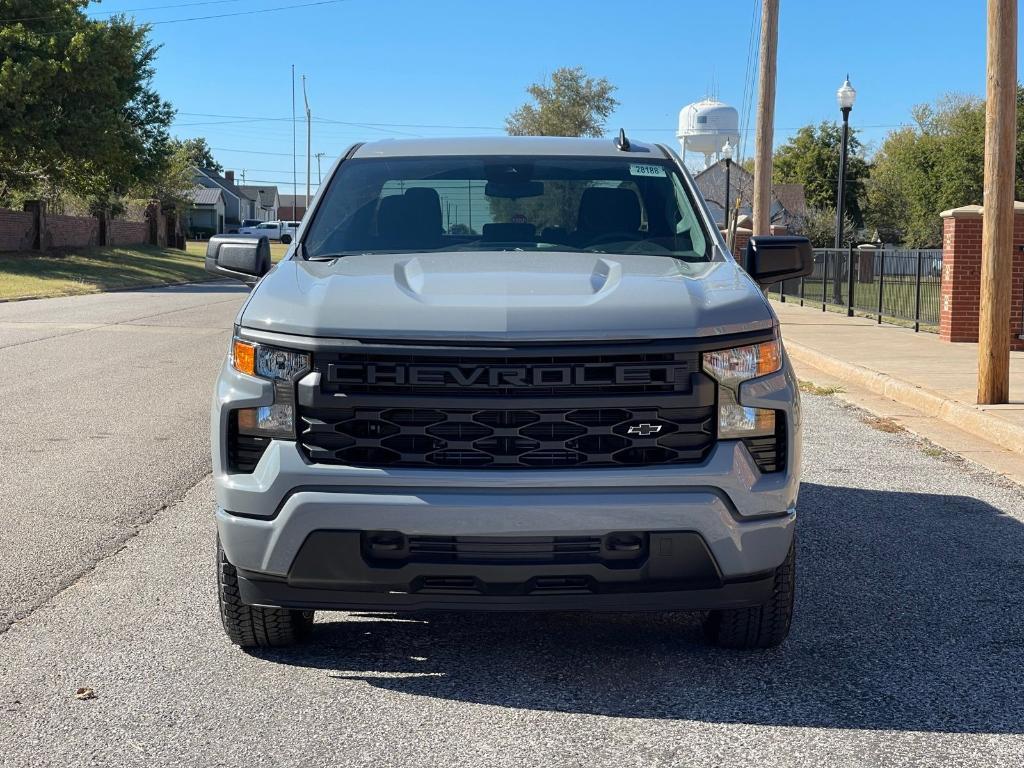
(744, 521)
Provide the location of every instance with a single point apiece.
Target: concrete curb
(126, 289)
(961, 415)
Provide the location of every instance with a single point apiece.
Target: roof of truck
(553, 146)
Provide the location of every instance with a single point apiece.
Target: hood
(509, 295)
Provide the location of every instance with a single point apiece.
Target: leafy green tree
(937, 163)
(198, 152)
(571, 104)
(78, 112)
(811, 158)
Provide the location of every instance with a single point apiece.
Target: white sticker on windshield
(636, 169)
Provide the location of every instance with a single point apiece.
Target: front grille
(506, 439)
(536, 406)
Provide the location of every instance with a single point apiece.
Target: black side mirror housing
(774, 258)
(241, 258)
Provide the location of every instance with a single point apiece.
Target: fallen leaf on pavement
(85, 693)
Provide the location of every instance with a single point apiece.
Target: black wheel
(286, 239)
(763, 626)
(252, 627)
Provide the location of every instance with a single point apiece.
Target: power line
(249, 13)
(361, 124)
(251, 151)
(97, 14)
(198, 18)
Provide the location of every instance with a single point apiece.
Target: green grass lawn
(92, 270)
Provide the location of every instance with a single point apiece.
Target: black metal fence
(892, 284)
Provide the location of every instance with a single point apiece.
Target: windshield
(603, 205)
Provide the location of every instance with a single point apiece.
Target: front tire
(250, 626)
(763, 626)
(286, 239)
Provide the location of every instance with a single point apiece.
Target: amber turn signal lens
(243, 357)
(769, 357)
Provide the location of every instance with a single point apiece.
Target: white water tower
(704, 127)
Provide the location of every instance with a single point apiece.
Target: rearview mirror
(774, 258)
(240, 258)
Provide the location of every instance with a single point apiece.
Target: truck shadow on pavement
(910, 616)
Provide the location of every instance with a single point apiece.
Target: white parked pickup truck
(274, 230)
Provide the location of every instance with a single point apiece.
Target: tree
(819, 226)
(198, 152)
(936, 164)
(173, 182)
(77, 109)
(811, 158)
(573, 104)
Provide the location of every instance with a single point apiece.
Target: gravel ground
(907, 649)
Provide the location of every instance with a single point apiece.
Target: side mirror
(774, 258)
(240, 258)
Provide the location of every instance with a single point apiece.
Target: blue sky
(463, 64)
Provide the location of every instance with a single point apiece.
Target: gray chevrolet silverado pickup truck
(507, 374)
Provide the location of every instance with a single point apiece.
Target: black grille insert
(769, 452)
(616, 550)
(515, 438)
(244, 451)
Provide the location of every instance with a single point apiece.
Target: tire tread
(762, 626)
(251, 626)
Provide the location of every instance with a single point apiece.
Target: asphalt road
(104, 401)
(907, 647)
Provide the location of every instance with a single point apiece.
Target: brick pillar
(961, 275)
(740, 245)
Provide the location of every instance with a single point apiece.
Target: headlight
(283, 367)
(730, 368)
(268, 362)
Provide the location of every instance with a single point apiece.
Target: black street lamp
(844, 97)
(727, 156)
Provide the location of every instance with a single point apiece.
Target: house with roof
(205, 215)
(264, 202)
(788, 204)
(236, 202)
(292, 208)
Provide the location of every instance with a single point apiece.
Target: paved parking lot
(906, 649)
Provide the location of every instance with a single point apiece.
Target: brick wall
(71, 231)
(120, 232)
(17, 229)
(961, 275)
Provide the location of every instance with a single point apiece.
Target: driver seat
(605, 211)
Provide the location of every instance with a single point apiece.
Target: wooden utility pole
(997, 224)
(765, 117)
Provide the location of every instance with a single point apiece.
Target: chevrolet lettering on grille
(484, 376)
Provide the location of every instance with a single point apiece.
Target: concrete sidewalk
(915, 369)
